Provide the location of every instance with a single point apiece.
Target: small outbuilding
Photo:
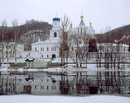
(35, 63)
(40, 63)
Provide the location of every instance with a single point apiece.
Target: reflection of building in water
(92, 82)
(34, 83)
(108, 82)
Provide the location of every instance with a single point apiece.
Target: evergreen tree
(129, 47)
(92, 47)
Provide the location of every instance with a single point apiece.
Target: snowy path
(63, 99)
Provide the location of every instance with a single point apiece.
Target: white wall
(53, 48)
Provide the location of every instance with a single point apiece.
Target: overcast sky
(102, 13)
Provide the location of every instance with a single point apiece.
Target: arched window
(55, 34)
(72, 49)
(53, 56)
(47, 49)
(81, 30)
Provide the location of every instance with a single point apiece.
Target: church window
(47, 87)
(81, 30)
(42, 87)
(42, 49)
(53, 87)
(35, 87)
(53, 49)
(47, 49)
(55, 34)
(72, 49)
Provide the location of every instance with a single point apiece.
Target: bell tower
(55, 32)
(56, 23)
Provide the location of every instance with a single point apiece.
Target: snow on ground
(69, 68)
(63, 99)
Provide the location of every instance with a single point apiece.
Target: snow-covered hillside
(63, 99)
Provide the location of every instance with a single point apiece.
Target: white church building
(50, 48)
(82, 28)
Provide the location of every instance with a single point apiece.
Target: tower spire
(82, 22)
(56, 14)
(90, 24)
(81, 16)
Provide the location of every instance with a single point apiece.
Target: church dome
(82, 22)
(56, 19)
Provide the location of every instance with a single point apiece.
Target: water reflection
(87, 82)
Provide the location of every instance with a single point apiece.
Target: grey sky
(102, 13)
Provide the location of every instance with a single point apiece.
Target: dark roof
(29, 58)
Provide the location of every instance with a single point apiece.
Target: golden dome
(81, 16)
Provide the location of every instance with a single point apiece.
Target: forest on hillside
(9, 33)
(115, 34)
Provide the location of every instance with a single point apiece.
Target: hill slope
(28, 26)
(115, 34)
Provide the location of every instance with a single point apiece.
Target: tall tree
(65, 24)
(15, 37)
(2, 36)
(78, 42)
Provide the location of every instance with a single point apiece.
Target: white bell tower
(56, 23)
(55, 32)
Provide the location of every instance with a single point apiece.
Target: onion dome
(82, 22)
(81, 16)
(56, 19)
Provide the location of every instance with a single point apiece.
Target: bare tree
(15, 37)
(2, 35)
(79, 43)
(65, 24)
